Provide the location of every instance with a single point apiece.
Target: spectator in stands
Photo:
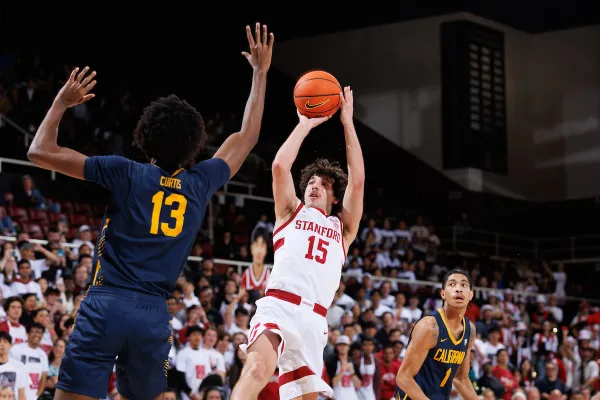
(85, 237)
(35, 360)
(389, 370)
(7, 227)
(28, 196)
(193, 364)
(13, 368)
(12, 326)
(550, 381)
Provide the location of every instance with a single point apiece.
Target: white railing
(565, 249)
(23, 163)
(245, 264)
(27, 137)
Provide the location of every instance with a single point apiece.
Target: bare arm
(283, 183)
(424, 338)
(22, 394)
(44, 151)
(42, 384)
(461, 380)
(353, 198)
(237, 146)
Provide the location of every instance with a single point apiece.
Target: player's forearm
(411, 388)
(288, 152)
(356, 164)
(45, 140)
(254, 109)
(465, 389)
(44, 150)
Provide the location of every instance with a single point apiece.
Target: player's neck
(3, 358)
(31, 347)
(453, 316)
(13, 321)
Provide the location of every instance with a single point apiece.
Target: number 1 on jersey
(446, 377)
(321, 248)
(177, 213)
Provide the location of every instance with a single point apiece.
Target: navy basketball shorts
(122, 327)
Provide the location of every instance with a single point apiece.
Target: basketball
(317, 94)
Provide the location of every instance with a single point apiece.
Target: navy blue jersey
(442, 362)
(151, 221)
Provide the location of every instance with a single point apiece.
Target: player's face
(319, 193)
(457, 292)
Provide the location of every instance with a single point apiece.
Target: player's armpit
(424, 337)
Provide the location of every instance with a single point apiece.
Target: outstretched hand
(260, 50)
(347, 104)
(311, 122)
(76, 89)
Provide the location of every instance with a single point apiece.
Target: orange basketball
(317, 94)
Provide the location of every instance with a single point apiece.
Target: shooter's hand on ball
(311, 122)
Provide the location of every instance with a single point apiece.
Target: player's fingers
(250, 38)
(246, 54)
(257, 33)
(89, 87)
(72, 76)
(87, 97)
(264, 35)
(88, 78)
(271, 40)
(82, 74)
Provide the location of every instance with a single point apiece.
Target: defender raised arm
(237, 146)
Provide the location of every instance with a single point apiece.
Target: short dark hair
(170, 131)
(457, 271)
(36, 325)
(322, 167)
(6, 336)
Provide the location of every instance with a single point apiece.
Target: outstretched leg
(260, 366)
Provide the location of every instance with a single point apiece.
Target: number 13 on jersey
(178, 204)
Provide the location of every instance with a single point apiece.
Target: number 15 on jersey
(177, 204)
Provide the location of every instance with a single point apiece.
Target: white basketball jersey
(309, 255)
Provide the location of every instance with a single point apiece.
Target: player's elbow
(35, 155)
(402, 381)
(279, 166)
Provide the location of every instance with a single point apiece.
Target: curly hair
(324, 168)
(171, 132)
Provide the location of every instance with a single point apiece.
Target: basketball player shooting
(439, 347)
(311, 241)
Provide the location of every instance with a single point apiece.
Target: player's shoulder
(426, 329)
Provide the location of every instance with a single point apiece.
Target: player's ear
(443, 294)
